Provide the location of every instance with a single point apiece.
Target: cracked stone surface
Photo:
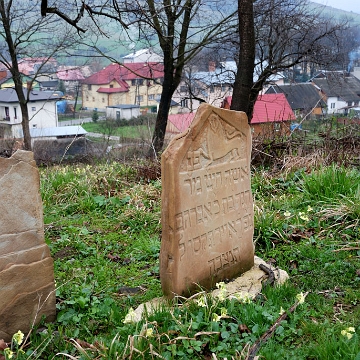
(27, 288)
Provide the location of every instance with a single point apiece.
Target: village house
(214, 85)
(204, 86)
(272, 115)
(142, 56)
(118, 84)
(341, 91)
(72, 76)
(6, 80)
(303, 98)
(41, 107)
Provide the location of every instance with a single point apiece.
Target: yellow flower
(8, 353)
(201, 302)
(223, 312)
(287, 213)
(130, 317)
(281, 311)
(244, 297)
(300, 298)
(303, 216)
(149, 332)
(348, 332)
(222, 291)
(309, 209)
(18, 337)
(216, 317)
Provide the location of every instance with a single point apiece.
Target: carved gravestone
(207, 206)
(26, 267)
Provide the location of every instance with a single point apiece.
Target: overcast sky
(348, 5)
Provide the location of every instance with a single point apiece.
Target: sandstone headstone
(27, 288)
(207, 206)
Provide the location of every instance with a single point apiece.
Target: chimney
(212, 66)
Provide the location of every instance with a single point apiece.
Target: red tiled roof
(272, 108)
(269, 108)
(181, 121)
(125, 72)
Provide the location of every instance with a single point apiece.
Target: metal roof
(9, 95)
(75, 130)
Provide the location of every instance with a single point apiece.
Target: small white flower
(287, 213)
(309, 209)
(223, 312)
(281, 311)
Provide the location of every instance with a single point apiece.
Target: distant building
(143, 56)
(118, 112)
(272, 115)
(303, 98)
(71, 76)
(340, 91)
(41, 107)
(130, 84)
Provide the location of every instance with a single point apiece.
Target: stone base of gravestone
(27, 287)
(207, 206)
(246, 286)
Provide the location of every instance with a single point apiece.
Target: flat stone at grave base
(248, 285)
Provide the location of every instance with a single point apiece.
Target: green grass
(131, 131)
(102, 224)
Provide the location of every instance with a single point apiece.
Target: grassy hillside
(102, 224)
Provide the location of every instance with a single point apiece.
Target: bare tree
(181, 28)
(276, 35)
(23, 33)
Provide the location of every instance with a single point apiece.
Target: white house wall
(42, 115)
(334, 105)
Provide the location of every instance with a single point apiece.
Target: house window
(133, 82)
(33, 108)
(332, 106)
(111, 86)
(15, 113)
(87, 98)
(89, 87)
(151, 97)
(184, 103)
(103, 100)
(7, 114)
(34, 125)
(277, 126)
(141, 82)
(93, 99)
(139, 98)
(183, 88)
(211, 88)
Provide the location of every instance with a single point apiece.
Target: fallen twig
(256, 346)
(270, 273)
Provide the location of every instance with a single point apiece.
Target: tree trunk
(162, 117)
(243, 99)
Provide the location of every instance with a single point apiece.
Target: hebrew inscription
(207, 208)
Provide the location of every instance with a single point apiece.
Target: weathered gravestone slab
(207, 207)
(26, 267)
